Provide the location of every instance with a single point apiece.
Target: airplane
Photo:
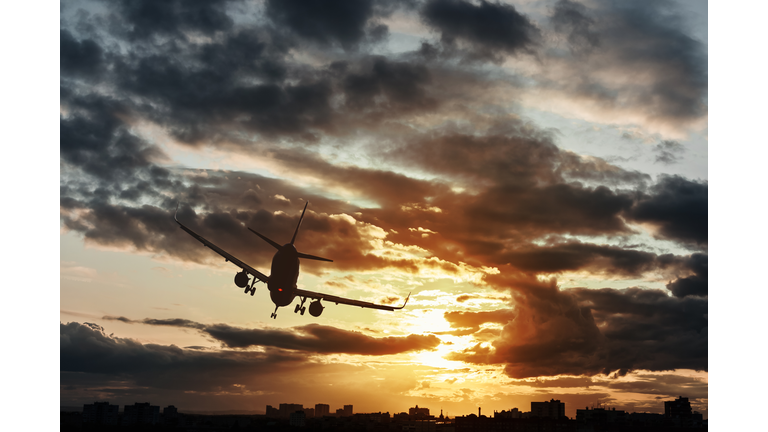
(284, 274)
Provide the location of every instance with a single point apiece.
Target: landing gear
(274, 314)
(300, 307)
(252, 288)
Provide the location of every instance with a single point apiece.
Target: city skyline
(535, 173)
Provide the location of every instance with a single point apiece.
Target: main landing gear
(274, 314)
(252, 288)
(300, 307)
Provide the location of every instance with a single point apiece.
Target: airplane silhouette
(285, 272)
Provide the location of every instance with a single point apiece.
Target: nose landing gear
(274, 314)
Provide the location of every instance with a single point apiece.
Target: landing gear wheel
(247, 289)
(273, 316)
(296, 309)
(303, 309)
(253, 291)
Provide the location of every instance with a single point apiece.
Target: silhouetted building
(601, 418)
(170, 415)
(513, 413)
(297, 418)
(348, 411)
(679, 407)
(339, 412)
(551, 409)
(141, 413)
(272, 412)
(100, 413)
(309, 412)
(286, 410)
(416, 411)
(322, 410)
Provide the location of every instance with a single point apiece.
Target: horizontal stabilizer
(273, 243)
(312, 257)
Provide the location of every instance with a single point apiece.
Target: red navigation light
(279, 289)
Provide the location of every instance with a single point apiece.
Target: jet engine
(315, 308)
(241, 279)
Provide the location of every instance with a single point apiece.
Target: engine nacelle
(241, 279)
(315, 308)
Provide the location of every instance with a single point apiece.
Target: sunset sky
(534, 173)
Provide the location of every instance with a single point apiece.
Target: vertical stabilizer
(299, 225)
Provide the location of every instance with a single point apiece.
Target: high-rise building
(551, 409)
(272, 411)
(309, 412)
(286, 410)
(100, 413)
(679, 407)
(347, 410)
(141, 413)
(322, 410)
(297, 419)
(170, 414)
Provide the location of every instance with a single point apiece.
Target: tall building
(297, 419)
(309, 412)
(322, 410)
(679, 407)
(100, 413)
(551, 409)
(286, 409)
(170, 414)
(141, 413)
(348, 411)
(272, 411)
(416, 411)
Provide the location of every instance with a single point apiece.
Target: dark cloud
(326, 22)
(644, 39)
(678, 208)
(79, 58)
(93, 137)
(696, 284)
(490, 29)
(312, 338)
(146, 18)
(595, 331)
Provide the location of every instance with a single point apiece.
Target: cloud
(668, 152)
(678, 208)
(145, 18)
(312, 338)
(594, 331)
(79, 58)
(490, 29)
(325, 22)
(572, 19)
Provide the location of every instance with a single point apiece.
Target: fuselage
(284, 275)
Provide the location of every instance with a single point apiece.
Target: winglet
(177, 211)
(406, 301)
(299, 225)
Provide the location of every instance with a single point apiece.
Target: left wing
(228, 256)
(346, 301)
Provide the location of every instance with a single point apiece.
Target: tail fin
(299, 225)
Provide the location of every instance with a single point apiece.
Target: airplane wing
(346, 301)
(228, 256)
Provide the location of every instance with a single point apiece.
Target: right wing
(346, 301)
(228, 256)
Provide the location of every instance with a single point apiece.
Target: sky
(533, 173)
